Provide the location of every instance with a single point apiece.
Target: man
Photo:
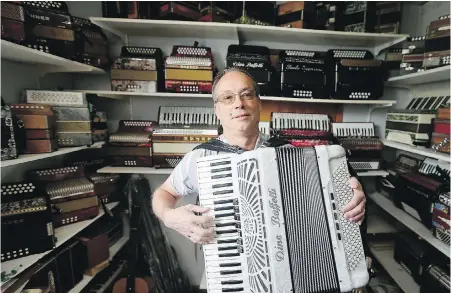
(237, 105)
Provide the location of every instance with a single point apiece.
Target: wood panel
(335, 111)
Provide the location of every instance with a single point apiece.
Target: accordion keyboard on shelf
(189, 69)
(361, 144)
(27, 220)
(131, 145)
(416, 193)
(265, 243)
(255, 60)
(302, 129)
(179, 130)
(354, 74)
(303, 74)
(139, 69)
(73, 117)
(414, 124)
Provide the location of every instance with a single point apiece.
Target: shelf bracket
(374, 107)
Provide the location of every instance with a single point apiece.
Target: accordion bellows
(278, 221)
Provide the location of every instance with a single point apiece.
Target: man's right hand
(184, 221)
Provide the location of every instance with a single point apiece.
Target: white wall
(16, 77)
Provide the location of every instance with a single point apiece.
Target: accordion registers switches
(189, 69)
(361, 144)
(26, 220)
(413, 125)
(139, 69)
(279, 230)
(73, 118)
(180, 129)
(303, 74)
(354, 74)
(301, 129)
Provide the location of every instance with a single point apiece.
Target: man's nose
(238, 103)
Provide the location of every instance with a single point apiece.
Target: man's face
(235, 113)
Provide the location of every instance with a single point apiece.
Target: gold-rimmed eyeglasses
(229, 98)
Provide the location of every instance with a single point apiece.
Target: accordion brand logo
(292, 67)
(254, 65)
(275, 206)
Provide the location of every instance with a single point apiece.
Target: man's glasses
(229, 98)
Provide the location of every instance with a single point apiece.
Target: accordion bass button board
(269, 234)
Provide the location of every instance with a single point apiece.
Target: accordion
(278, 225)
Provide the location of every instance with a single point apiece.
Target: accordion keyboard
(300, 121)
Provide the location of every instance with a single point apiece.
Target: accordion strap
(220, 146)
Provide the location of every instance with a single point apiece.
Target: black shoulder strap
(220, 146)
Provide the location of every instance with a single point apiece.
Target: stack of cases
(73, 118)
(436, 47)
(39, 122)
(139, 69)
(441, 131)
(412, 55)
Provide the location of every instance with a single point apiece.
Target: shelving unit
(428, 76)
(33, 157)
(409, 222)
(62, 234)
(46, 62)
(418, 150)
(125, 28)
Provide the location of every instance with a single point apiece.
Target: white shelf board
(418, 150)
(63, 234)
(86, 279)
(135, 170)
(409, 221)
(33, 157)
(428, 76)
(394, 269)
(373, 173)
(125, 95)
(377, 224)
(47, 62)
(245, 32)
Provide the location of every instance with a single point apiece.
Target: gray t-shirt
(184, 177)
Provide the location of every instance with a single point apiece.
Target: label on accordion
(47, 18)
(243, 63)
(134, 86)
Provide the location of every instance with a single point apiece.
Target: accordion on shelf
(414, 124)
(441, 217)
(26, 219)
(436, 44)
(13, 134)
(131, 145)
(436, 279)
(302, 130)
(412, 55)
(354, 74)
(361, 144)
(359, 16)
(416, 193)
(441, 130)
(189, 69)
(303, 74)
(139, 69)
(179, 130)
(269, 231)
(256, 61)
(73, 117)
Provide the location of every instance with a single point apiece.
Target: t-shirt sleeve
(184, 177)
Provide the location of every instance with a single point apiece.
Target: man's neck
(245, 140)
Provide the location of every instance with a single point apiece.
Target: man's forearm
(162, 201)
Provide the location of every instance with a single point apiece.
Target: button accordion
(301, 129)
(189, 69)
(436, 45)
(139, 69)
(179, 130)
(441, 130)
(361, 144)
(256, 61)
(354, 74)
(414, 124)
(303, 74)
(275, 211)
(412, 55)
(13, 134)
(441, 217)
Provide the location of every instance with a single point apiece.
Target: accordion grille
(308, 235)
(67, 188)
(131, 137)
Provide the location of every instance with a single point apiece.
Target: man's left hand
(355, 209)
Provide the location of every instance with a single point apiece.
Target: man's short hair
(231, 69)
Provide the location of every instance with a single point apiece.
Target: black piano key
(226, 231)
(223, 208)
(224, 201)
(221, 170)
(233, 290)
(222, 185)
(231, 272)
(234, 264)
(226, 241)
(221, 176)
(227, 248)
(227, 191)
(225, 224)
(224, 215)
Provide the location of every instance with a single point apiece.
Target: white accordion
(278, 222)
